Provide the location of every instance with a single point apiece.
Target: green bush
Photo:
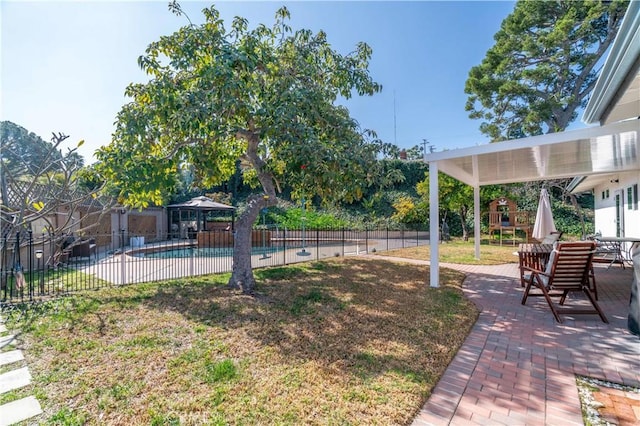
(295, 217)
(567, 220)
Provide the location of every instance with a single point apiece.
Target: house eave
(619, 70)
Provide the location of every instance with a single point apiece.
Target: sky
(65, 65)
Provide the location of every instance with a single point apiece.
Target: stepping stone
(10, 357)
(17, 411)
(7, 340)
(14, 379)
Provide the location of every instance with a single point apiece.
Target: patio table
(534, 256)
(615, 249)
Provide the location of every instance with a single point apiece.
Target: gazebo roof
(201, 203)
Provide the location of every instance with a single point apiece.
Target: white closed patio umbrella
(543, 225)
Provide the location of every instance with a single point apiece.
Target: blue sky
(65, 65)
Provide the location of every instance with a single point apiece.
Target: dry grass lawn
(344, 341)
(461, 252)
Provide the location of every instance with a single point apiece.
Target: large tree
(24, 153)
(542, 67)
(265, 96)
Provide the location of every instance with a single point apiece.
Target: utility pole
(395, 132)
(425, 143)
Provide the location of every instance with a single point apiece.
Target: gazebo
(190, 217)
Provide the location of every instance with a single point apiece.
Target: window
(632, 197)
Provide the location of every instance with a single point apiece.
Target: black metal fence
(38, 267)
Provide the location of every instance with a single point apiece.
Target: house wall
(605, 206)
(605, 210)
(632, 213)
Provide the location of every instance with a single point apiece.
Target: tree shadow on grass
(325, 341)
(359, 316)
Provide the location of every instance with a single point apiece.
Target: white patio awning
(589, 154)
(603, 150)
(608, 149)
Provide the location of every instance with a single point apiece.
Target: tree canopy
(542, 66)
(266, 96)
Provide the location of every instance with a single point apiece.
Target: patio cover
(611, 148)
(591, 151)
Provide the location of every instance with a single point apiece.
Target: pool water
(203, 252)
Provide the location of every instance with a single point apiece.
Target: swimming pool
(182, 252)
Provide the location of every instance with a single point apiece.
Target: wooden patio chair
(552, 237)
(568, 270)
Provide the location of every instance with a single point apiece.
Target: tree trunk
(242, 273)
(463, 219)
(562, 185)
(578, 209)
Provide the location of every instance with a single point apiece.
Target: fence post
(123, 260)
(16, 262)
(52, 262)
(284, 246)
(30, 265)
(41, 272)
(366, 240)
(387, 238)
(343, 241)
(192, 261)
(4, 279)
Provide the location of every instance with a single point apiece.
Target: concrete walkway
(518, 366)
(15, 377)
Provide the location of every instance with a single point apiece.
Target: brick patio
(518, 366)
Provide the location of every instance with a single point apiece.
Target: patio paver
(15, 376)
(518, 365)
(20, 410)
(10, 357)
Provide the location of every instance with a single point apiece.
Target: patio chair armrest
(532, 269)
